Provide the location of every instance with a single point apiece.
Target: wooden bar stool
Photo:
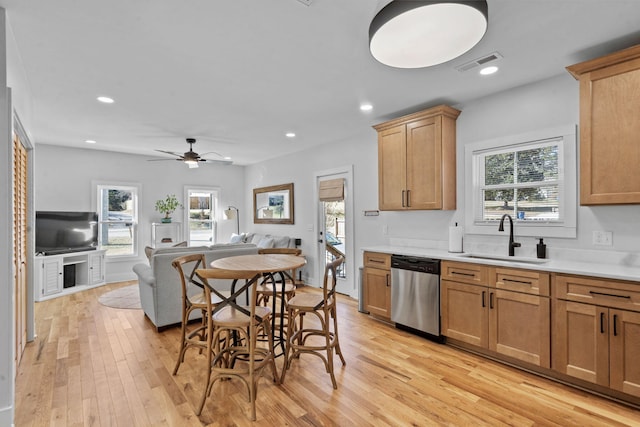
(240, 357)
(203, 301)
(322, 341)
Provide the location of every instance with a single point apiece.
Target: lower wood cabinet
(593, 342)
(376, 277)
(560, 325)
(513, 324)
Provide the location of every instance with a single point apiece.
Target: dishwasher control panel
(423, 265)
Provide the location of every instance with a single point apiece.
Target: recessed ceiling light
(290, 135)
(227, 158)
(105, 99)
(488, 70)
(366, 107)
(90, 141)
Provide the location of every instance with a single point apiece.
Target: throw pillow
(235, 238)
(265, 242)
(281, 241)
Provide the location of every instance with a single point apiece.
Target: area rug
(125, 297)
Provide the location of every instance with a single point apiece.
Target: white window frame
(215, 211)
(136, 188)
(565, 226)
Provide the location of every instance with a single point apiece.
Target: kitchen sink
(506, 258)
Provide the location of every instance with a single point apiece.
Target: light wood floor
(97, 366)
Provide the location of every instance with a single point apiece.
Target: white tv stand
(63, 274)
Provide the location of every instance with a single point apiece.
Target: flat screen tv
(60, 232)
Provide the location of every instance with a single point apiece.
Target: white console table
(57, 275)
(164, 234)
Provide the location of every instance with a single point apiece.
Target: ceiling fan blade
(170, 152)
(219, 162)
(212, 152)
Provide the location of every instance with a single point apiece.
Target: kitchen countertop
(608, 271)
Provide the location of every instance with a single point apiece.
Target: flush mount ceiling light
(416, 33)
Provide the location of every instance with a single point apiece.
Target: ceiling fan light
(191, 163)
(416, 34)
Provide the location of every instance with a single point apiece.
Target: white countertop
(609, 271)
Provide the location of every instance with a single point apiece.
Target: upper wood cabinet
(417, 160)
(609, 128)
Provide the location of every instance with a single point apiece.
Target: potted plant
(167, 206)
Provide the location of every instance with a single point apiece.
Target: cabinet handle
(388, 280)
(483, 295)
(408, 198)
(601, 322)
(377, 261)
(403, 198)
(610, 295)
(462, 274)
(524, 282)
(615, 325)
(491, 300)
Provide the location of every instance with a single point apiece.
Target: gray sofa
(160, 290)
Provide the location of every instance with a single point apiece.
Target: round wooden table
(266, 265)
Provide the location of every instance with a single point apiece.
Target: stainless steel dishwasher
(415, 294)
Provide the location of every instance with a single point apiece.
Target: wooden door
(20, 213)
(424, 164)
(464, 312)
(581, 341)
(392, 166)
(377, 288)
(520, 326)
(624, 338)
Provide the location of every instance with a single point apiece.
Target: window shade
(331, 190)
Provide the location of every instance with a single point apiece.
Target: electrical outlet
(602, 238)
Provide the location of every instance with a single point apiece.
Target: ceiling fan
(191, 158)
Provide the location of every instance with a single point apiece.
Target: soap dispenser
(541, 249)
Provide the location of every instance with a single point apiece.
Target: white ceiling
(239, 74)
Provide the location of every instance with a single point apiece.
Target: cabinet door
(463, 309)
(609, 150)
(519, 326)
(96, 268)
(377, 288)
(624, 338)
(424, 164)
(581, 341)
(392, 162)
(52, 278)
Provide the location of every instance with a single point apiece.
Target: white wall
(64, 176)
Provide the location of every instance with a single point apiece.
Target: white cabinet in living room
(51, 276)
(57, 275)
(165, 234)
(96, 268)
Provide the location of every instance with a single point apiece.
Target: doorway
(335, 225)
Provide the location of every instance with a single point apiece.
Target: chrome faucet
(512, 244)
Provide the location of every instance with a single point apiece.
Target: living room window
(530, 177)
(117, 207)
(202, 208)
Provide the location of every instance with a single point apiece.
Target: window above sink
(531, 177)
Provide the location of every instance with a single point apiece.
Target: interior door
(333, 227)
(20, 212)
